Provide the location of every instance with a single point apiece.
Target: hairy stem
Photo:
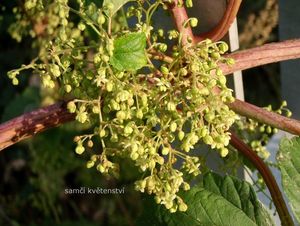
(266, 117)
(268, 177)
(266, 54)
(180, 17)
(34, 122)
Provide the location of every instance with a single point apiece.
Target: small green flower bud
(171, 106)
(71, 106)
(269, 129)
(134, 147)
(68, 88)
(180, 135)
(120, 75)
(186, 186)
(128, 130)
(139, 114)
(193, 22)
(101, 168)
(230, 61)
(54, 69)
(114, 138)
(173, 126)
(134, 155)
(222, 80)
(219, 72)
(101, 19)
(90, 164)
(157, 199)
(165, 151)
(223, 47)
(121, 115)
(215, 55)
(160, 160)
(82, 117)
(163, 47)
(209, 117)
(90, 144)
(208, 139)
(284, 103)
(81, 26)
(96, 109)
(262, 129)
(224, 152)
(79, 149)
(203, 132)
(15, 81)
(189, 3)
(183, 72)
(76, 139)
(164, 70)
(152, 151)
(109, 86)
(160, 32)
(102, 133)
(144, 99)
(182, 207)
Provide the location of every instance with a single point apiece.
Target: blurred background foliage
(34, 174)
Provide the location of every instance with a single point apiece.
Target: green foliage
(129, 52)
(220, 201)
(288, 159)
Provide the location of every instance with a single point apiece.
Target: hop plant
(137, 109)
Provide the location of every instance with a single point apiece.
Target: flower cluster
(151, 112)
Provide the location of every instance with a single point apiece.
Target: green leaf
(239, 193)
(221, 201)
(288, 159)
(129, 52)
(117, 4)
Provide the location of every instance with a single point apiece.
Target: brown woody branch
(32, 123)
(267, 176)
